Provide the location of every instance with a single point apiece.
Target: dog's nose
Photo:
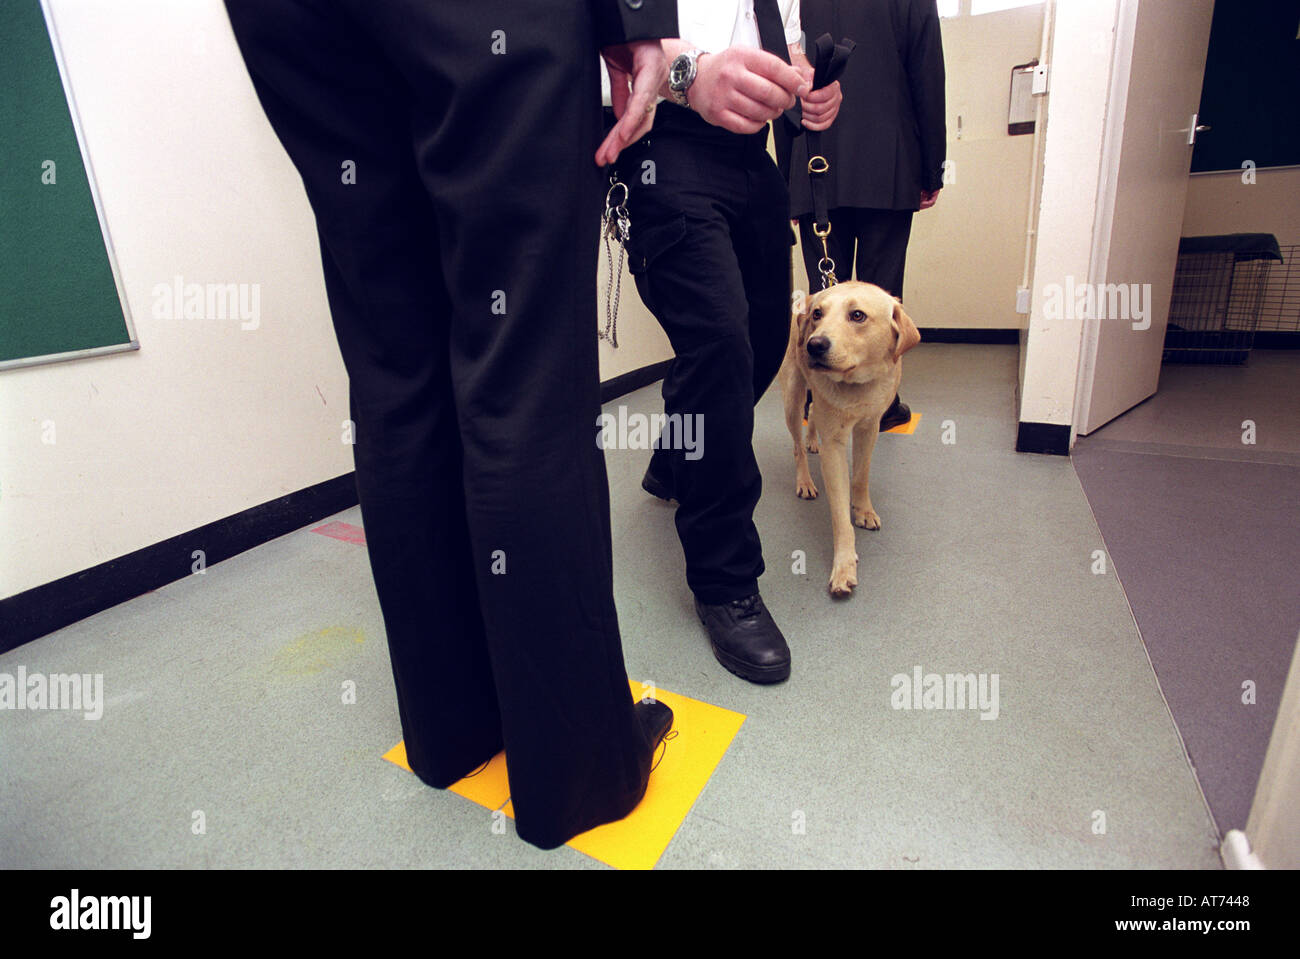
(818, 346)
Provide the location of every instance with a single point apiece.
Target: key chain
(615, 227)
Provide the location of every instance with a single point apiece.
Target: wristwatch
(681, 74)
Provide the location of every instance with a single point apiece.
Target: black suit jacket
(890, 139)
(622, 21)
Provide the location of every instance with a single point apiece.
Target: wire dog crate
(1220, 289)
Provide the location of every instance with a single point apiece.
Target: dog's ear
(906, 335)
(802, 316)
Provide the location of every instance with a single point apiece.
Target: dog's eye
(857, 316)
(817, 314)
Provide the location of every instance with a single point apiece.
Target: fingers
(632, 126)
(774, 69)
(772, 97)
(609, 149)
(826, 96)
(634, 108)
(818, 117)
(742, 88)
(820, 107)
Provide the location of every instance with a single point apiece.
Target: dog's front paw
(813, 447)
(843, 578)
(866, 518)
(804, 488)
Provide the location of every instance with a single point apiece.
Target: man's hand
(929, 198)
(741, 88)
(645, 65)
(820, 107)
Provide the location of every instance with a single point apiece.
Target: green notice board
(59, 295)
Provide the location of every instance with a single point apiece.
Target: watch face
(679, 72)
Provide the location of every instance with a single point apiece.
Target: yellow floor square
(488, 787)
(700, 736)
(908, 428)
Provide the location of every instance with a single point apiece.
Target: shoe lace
(749, 607)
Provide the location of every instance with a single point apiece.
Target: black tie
(771, 33)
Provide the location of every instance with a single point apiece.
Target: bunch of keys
(615, 227)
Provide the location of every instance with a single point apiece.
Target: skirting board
(35, 612)
(629, 382)
(932, 335)
(1050, 438)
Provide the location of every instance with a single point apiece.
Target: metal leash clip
(615, 228)
(818, 167)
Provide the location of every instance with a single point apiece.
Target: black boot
(658, 479)
(898, 414)
(746, 640)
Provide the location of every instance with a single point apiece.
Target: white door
(1160, 48)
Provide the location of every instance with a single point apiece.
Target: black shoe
(657, 487)
(656, 719)
(746, 640)
(898, 414)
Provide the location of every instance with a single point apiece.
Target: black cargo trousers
(710, 249)
(446, 147)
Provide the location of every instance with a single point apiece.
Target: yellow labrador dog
(846, 347)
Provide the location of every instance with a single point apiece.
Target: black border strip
(43, 609)
(629, 382)
(929, 335)
(1052, 439)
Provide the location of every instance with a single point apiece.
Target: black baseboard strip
(628, 382)
(1050, 438)
(39, 611)
(931, 335)
(622, 385)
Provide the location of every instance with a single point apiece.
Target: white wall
(206, 419)
(966, 258)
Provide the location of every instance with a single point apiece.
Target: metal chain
(826, 266)
(615, 227)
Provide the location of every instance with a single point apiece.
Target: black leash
(828, 60)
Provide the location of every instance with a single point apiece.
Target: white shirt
(715, 25)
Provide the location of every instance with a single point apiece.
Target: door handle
(1195, 128)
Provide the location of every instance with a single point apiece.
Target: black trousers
(710, 250)
(457, 204)
(879, 236)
